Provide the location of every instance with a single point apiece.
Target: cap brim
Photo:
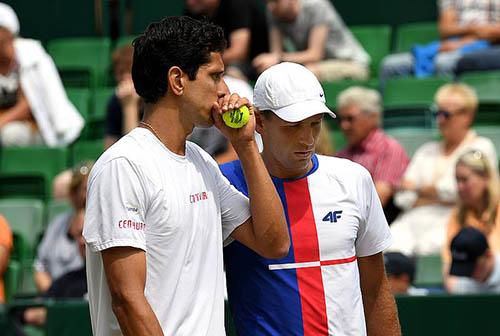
(303, 110)
(461, 268)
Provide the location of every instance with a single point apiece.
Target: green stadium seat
(82, 62)
(410, 34)
(332, 89)
(68, 318)
(125, 40)
(429, 271)
(56, 208)
(25, 218)
(14, 185)
(34, 161)
(96, 126)
(412, 138)
(407, 101)
(87, 151)
(376, 40)
(81, 99)
(487, 87)
(12, 279)
(457, 315)
(22, 250)
(101, 99)
(5, 322)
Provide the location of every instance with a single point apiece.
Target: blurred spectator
(359, 110)
(475, 268)
(34, 108)
(321, 40)
(123, 109)
(463, 27)
(245, 27)
(58, 251)
(429, 190)
(400, 271)
(5, 248)
(70, 285)
(478, 205)
(324, 145)
(483, 60)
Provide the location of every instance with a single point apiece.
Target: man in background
(360, 111)
(245, 27)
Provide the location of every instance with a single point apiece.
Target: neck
(168, 126)
(452, 143)
(277, 169)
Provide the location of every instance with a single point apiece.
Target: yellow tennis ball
(236, 118)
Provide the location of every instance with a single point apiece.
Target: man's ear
(176, 80)
(259, 125)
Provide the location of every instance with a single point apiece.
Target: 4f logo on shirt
(332, 216)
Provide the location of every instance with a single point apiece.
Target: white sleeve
(235, 207)
(374, 234)
(117, 202)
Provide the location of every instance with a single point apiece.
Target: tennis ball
(236, 118)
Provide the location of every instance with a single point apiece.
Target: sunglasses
(445, 114)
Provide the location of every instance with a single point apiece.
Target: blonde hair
(467, 93)
(324, 145)
(480, 165)
(368, 100)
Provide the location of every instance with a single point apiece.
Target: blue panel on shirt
(262, 302)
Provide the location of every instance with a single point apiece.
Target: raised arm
(125, 269)
(315, 48)
(266, 231)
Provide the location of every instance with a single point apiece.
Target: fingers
(233, 101)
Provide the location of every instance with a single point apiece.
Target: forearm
(302, 57)
(450, 30)
(380, 312)
(269, 226)
(234, 55)
(136, 317)
(20, 111)
(43, 281)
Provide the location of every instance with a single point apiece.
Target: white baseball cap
(291, 91)
(8, 19)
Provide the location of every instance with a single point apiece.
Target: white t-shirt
(178, 209)
(334, 217)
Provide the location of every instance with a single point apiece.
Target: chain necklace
(151, 128)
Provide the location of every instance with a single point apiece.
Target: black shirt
(236, 14)
(70, 285)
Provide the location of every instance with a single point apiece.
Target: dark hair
(397, 264)
(174, 41)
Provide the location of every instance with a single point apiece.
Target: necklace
(151, 128)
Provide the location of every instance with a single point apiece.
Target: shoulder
(392, 144)
(128, 151)
(60, 222)
(343, 168)
(348, 173)
(29, 52)
(429, 148)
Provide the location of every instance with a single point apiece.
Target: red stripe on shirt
(338, 261)
(306, 248)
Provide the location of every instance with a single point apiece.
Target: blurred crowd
(441, 201)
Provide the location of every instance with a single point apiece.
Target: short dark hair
(397, 264)
(174, 41)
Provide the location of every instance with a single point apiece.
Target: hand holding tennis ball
(236, 118)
